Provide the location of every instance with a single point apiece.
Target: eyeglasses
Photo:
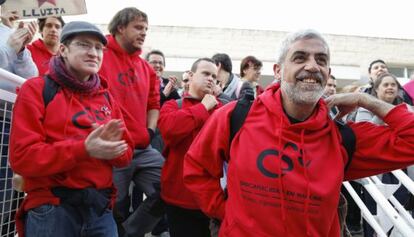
(154, 62)
(88, 46)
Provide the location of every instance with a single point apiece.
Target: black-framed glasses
(88, 46)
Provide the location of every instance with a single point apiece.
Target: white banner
(44, 8)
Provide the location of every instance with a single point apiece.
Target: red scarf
(59, 73)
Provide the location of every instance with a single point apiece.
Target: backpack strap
(239, 114)
(49, 90)
(348, 141)
(179, 102)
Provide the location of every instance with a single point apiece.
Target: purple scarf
(59, 73)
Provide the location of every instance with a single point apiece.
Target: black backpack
(239, 114)
(51, 88)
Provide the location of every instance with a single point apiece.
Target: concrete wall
(350, 55)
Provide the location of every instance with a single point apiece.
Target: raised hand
(104, 141)
(346, 102)
(171, 85)
(209, 101)
(22, 36)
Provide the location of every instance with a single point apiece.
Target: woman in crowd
(386, 88)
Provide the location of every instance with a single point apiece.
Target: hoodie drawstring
(307, 198)
(282, 197)
(68, 113)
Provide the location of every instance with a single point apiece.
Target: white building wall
(350, 55)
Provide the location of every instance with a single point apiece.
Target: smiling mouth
(309, 80)
(92, 62)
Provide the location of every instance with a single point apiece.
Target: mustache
(305, 74)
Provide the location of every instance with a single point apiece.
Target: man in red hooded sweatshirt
(180, 121)
(286, 163)
(43, 49)
(65, 147)
(135, 86)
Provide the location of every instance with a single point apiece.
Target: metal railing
(9, 198)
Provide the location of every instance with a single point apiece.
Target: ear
(218, 66)
(190, 76)
(277, 71)
(63, 50)
(121, 29)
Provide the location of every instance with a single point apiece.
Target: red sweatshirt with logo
(179, 127)
(47, 143)
(41, 56)
(284, 179)
(134, 85)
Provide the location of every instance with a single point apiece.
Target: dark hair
(245, 63)
(124, 17)
(224, 60)
(156, 52)
(332, 77)
(42, 21)
(377, 83)
(68, 40)
(374, 62)
(195, 64)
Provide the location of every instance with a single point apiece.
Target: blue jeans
(68, 221)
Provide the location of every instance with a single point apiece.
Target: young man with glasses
(66, 148)
(168, 86)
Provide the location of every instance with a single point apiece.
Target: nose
(311, 65)
(94, 52)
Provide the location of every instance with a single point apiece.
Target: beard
(301, 92)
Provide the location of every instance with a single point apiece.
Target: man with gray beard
(290, 146)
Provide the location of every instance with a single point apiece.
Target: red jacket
(47, 143)
(178, 128)
(276, 165)
(41, 56)
(135, 86)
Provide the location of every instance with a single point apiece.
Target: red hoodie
(41, 56)
(135, 86)
(284, 179)
(47, 143)
(178, 128)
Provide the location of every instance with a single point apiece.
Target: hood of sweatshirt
(40, 45)
(119, 51)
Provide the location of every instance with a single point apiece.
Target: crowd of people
(107, 146)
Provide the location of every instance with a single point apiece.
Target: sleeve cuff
(398, 116)
(79, 150)
(22, 55)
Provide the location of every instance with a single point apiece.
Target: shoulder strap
(239, 114)
(179, 103)
(49, 90)
(348, 141)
